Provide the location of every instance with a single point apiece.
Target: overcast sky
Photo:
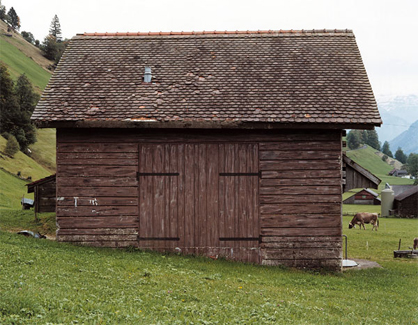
(386, 31)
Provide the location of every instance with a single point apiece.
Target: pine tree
(12, 146)
(14, 19)
(373, 139)
(412, 166)
(2, 12)
(353, 139)
(55, 29)
(386, 150)
(399, 155)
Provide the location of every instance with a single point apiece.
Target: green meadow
(43, 281)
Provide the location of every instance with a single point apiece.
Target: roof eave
(198, 124)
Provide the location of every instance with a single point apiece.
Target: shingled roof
(213, 79)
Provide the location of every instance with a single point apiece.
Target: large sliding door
(202, 198)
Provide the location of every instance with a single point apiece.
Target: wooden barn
(44, 194)
(223, 144)
(364, 196)
(406, 201)
(356, 176)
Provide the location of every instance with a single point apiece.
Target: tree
(12, 146)
(55, 29)
(28, 36)
(353, 139)
(2, 12)
(373, 139)
(17, 103)
(399, 155)
(14, 19)
(50, 47)
(386, 150)
(412, 165)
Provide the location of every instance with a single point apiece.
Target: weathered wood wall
(260, 196)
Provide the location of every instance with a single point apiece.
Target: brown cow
(365, 217)
(415, 243)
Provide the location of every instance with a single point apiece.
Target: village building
(356, 176)
(364, 196)
(44, 194)
(405, 204)
(224, 144)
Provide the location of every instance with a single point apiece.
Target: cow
(365, 217)
(415, 243)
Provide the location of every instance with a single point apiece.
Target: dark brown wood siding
(217, 193)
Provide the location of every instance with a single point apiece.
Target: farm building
(223, 144)
(44, 194)
(364, 196)
(406, 201)
(356, 176)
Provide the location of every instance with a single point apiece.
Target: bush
(384, 158)
(12, 146)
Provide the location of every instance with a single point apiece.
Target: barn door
(160, 181)
(238, 197)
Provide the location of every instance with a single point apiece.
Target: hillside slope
(22, 57)
(369, 158)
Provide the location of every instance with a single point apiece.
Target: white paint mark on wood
(75, 201)
(94, 202)
(60, 198)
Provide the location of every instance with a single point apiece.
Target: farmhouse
(364, 196)
(223, 144)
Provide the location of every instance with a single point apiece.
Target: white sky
(386, 31)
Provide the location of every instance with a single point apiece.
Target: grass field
(12, 190)
(44, 150)
(43, 281)
(21, 163)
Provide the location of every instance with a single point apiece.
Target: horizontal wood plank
(98, 191)
(114, 160)
(301, 146)
(335, 231)
(300, 239)
(90, 171)
(333, 164)
(97, 181)
(89, 148)
(97, 222)
(96, 201)
(98, 231)
(305, 221)
(92, 211)
(325, 198)
(299, 154)
(300, 182)
(95, 238)
(293, 174)
(303, 208)
(301, 191)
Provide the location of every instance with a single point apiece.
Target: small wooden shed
(364, 196)
(224, 144)
(406, 202)
(44, 194)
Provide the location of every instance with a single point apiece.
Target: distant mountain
(407, 140)
(397, 114)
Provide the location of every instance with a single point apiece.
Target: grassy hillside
(23, 57)
(368, 159)
(44, 150)
(21, 163)
(12, 190)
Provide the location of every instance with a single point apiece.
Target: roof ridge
(214, 32)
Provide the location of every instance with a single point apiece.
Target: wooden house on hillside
(44, 194)
(406, 201)
(214, 143)
(356, 176)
